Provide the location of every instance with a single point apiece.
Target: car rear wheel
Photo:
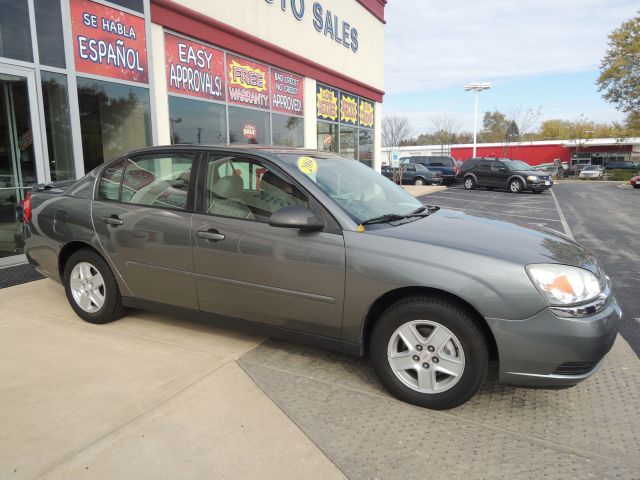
(469, 183)
(515, 186)
(429, 352)
(419, 182)
(91, 288)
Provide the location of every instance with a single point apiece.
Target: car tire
(469, 183)
(536, 191)
(489, 188)
(419, 182)
(459, 346)
(515, 186)
(91, 288)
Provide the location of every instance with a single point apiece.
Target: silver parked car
(313, 247)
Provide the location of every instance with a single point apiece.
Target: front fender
(496, 288)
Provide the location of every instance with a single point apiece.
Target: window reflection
(15, 30)
(49, 30)
(114, 119)
(287, 131)
(194, 121)
(249, 126)
(58, 126)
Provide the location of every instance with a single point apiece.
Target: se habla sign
(194, 69)
(108, 42)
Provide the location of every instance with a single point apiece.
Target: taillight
(26, 208)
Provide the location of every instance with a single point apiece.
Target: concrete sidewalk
(147, 396)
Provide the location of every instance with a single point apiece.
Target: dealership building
(83, 81)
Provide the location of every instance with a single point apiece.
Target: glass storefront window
(15, 30)
(365, 146)
(194, 121)
(287, 131)
(49, 32)
(327, 137)
(249, 126)
(135, 5)
(348, 142)
(114, 119)
(58, 126)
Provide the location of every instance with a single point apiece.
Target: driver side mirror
(294, 216)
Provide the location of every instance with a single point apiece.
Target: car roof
(255, 149)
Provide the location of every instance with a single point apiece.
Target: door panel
(151, 249)
(143, 223)
(250, 270)
(277, 276)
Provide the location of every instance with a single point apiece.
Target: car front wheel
(91, 288)
(429, 352)
(469, 183)
(515, 186)
(418, 181)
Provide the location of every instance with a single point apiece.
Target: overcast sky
(537, 53)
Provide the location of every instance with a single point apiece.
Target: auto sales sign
(108, 42)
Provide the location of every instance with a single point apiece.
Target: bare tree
(394, 131)
(446, 130)
(519, 123)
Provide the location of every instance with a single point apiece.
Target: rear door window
(484, 165)
(109, 186)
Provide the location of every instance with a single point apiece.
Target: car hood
(522, 244)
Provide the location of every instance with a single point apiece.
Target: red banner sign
(247, 82)
(194, 69)
(108, 42)
(286, 93)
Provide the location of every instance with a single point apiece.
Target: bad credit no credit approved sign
(286, 92)
(194, 69)
(108, 42)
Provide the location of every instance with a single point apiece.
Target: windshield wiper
(394, 217)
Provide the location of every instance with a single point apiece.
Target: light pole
(476, 87)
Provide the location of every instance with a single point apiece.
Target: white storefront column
(377, 137)
(161, 98)
(310, 112)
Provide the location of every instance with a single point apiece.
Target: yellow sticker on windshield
(307, 165)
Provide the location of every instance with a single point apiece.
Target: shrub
(620, 175)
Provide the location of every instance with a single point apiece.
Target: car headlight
(532, 178)
(564, 285)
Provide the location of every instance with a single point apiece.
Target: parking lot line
(505, 214)
(565, 225)
(449, 197)
(454, 191)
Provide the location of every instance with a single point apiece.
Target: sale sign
(247, 82)
(286, 92)
(108, 42)
(194, 69)
(327, 102)
(348, 109)
(366, 113)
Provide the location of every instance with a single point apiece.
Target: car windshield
(518, 165)
(359, 190)
(591, 167)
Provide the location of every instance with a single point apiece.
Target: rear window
(441, 162)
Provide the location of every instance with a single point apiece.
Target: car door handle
(112, 220)
(212, 235)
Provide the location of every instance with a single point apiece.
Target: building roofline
(594, 142)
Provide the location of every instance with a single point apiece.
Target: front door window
(17, 157)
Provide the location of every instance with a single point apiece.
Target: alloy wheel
(426, 356)
(87, 287)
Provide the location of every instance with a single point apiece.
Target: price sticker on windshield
(307, 165)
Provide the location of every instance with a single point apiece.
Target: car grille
(575, 368)
(543, 177)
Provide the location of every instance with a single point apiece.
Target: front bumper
(540, 185)
(549, 351)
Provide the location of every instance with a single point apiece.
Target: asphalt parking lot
(152, 396)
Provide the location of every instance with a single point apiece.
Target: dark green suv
(514, 175)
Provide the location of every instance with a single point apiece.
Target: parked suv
(415, 175)
(514, 175)
(447, 165)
